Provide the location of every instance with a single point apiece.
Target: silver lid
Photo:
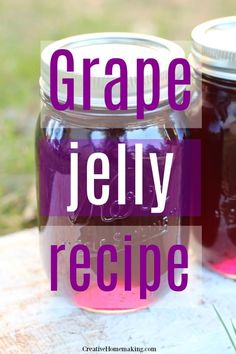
(214, 48)
(128, 46)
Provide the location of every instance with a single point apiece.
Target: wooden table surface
(32, 320)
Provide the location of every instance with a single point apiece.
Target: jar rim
(212, 50)
(145, 45)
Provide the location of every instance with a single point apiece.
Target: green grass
(17, 177)
(232, 338)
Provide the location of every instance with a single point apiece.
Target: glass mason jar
(214, 72)
(99, 129)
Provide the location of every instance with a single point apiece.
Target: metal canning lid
(127, 46)
(214, 48)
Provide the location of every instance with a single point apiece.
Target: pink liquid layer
(226, 267)
(95, 299)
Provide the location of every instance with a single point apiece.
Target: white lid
(127, 46)
(214, 48)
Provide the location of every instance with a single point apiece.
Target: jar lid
(214, 48)
(127, 46)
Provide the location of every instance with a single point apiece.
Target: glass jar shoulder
(162, 124)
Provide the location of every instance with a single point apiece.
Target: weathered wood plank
(32, 320)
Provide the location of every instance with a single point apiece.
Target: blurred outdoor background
(23, 24)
